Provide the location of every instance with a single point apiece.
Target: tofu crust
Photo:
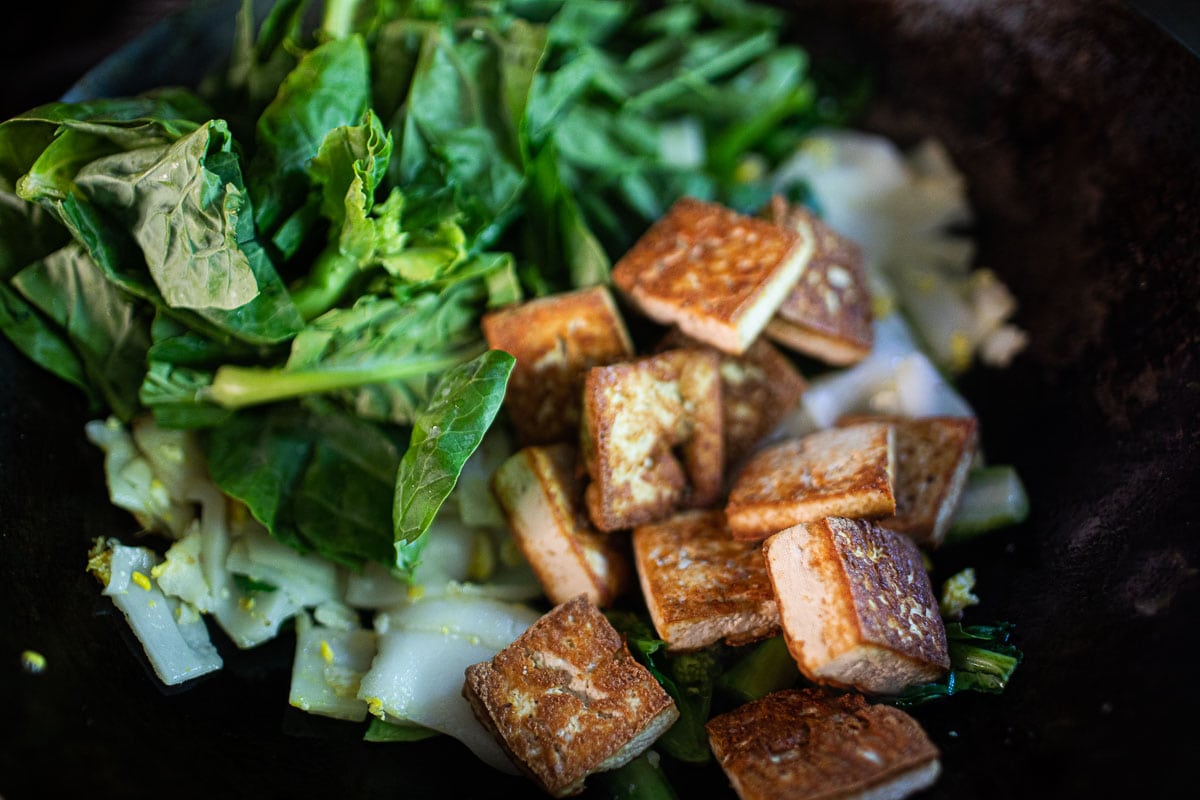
(758, 389)
(701, 585)
(843, 472)
(809, 744)
(933, 459)
(555, 340)
(856, 606)
(718, 275)
(827, 314)
(634, 415)
(567, 699)
(540, 491)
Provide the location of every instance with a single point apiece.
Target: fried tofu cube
(856, 605)
(758, 390)
(701, 585)
(843, 472)
(555, 340)
(567, 699)
(808, 744)
(933, 458)
(827, 314)
(634, 414)
(718, 275)
(540, 491)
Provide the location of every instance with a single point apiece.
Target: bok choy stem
(238, 387)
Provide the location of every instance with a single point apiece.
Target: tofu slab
(827, 314)
(555, 340)
(701, 585)
(718, 275)
(540, 491)
(856, 606)
(634, 415)
(808, 744)
(758, 390)
(567, 699)
(933, 458)
(843, 472)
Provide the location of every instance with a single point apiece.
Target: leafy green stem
(239, 387)
(322, 288)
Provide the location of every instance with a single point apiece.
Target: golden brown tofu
(809, 744)
(634, 414)
(933, 458)
(857, 606)
(827, 313)
(555, 340)
(540, 492)
(758, 389)
(701, 585)
(837, 472)
(567, 699)
(716, 274)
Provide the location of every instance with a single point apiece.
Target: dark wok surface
(1078, 124)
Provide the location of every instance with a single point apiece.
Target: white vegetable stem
(172, 634)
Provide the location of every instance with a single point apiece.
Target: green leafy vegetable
(688, 677)
(767, 668)
(445, 433)
(106, 328)
(320, 479)
(982, 659)
(381, 731)
(640, 779)
(993, 498)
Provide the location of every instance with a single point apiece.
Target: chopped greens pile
(289, 259)
(269, 289)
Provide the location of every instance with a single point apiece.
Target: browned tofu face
(758, 389)
(838, 472)
(634, 416)
(555, 340)
(567, 699)
(827, 313)
(716, 274)
(805, 744)
(541, 494)
(856, 606)
(701, 585)
(933, 458)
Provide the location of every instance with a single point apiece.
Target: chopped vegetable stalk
(640, 779)
(308, 579)
(328, 669)
(424, 649)
(903, 210)
(132, 482)
(994, 498)
(896, 378)
(767, 668)
(173, 635)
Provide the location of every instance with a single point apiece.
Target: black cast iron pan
(1078, 125)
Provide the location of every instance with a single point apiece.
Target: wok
(1077, 123)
